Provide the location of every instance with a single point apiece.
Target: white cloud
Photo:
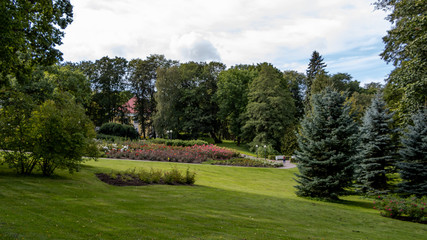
(234, 31)
(193, 47)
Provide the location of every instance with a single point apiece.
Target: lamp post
(265, 152)
(169, 133)
(256, 146)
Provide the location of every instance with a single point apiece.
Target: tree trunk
(215, 138)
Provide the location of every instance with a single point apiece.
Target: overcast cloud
(346, 33)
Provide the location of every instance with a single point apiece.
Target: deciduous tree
(405, 48)
(142, 78)
(30, 31)
(270, 109)
(232, 98)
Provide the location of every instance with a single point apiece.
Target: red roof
(130, 105)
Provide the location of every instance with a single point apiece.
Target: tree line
(257, 104)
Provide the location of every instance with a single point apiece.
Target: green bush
(120, 130)
(394, 206)
(248, 162)
(262, 151)
(63, 134)
(110, 138)
(178, 142)
(190, 177)
(156, 175)
(173, 176)
(56, 134)
(15, 131)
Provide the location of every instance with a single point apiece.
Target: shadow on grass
(7, 172)
(168, 212)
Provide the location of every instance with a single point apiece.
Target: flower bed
(160, 152)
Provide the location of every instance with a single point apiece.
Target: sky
(347, 33)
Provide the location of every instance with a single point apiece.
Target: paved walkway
(286, 165)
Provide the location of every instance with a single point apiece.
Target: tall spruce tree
(315, 66)
(327, 141)
(375, 152)
(413, 168)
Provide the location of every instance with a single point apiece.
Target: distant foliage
(117, 129)
(178, 142)
(270, 110)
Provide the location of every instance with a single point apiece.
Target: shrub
(248, 162)
(394, 206)
(156, 175)
(190, 177)
(110, 138)
(117, 129)
(173, 176)
(63, 134)
(178, 142)
(15, 131)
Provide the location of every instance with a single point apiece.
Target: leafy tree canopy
(405, 48)
(29, 33)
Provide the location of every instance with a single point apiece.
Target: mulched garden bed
(409, 219)
(119, 181)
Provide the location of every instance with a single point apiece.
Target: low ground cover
(247, 162)
(225, 203)
(141, 176)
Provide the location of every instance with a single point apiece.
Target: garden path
(286, 165)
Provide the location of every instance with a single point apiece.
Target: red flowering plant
(160, 152)
(393, 206)
(390, 206)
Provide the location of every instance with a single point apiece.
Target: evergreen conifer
(375, 151)
(413, 167)
(327, 141)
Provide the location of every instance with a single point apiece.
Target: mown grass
(243, 148)
(225, 203)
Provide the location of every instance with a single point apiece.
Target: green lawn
(225, 203)
(243, 148)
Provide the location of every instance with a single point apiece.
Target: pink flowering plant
(160, 152)
(395, 207)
